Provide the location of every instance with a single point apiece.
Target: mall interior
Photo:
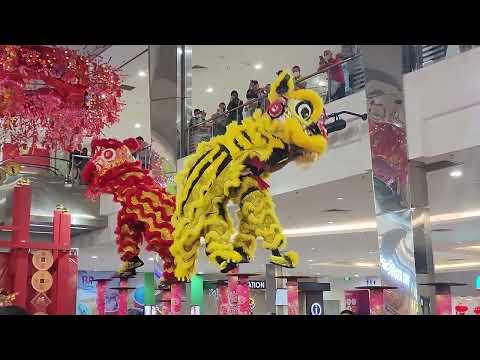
(239, 180)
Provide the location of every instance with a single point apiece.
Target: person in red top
(335, 75)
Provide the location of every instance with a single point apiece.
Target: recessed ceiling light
(322, 83)
(137, 126)
(150, 259)
(456, 173)
(356, 275)
(209, 90)
(365, 264)
(258, 66)
(330, 222)
(310, 260)
(200, 272)
(318, 274)
(142, 73)
(313, 248)
(94, 256)
(339, 198)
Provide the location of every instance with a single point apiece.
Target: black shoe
(245, 259)
(230, 265)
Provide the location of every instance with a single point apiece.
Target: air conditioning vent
(452, 260)
(439, 165)
(442, 230)
(199, 67)
(336, 210)
(127, 87)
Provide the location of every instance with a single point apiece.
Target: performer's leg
(160, 243)
(218, 230)
(257, 218)
(128, 239)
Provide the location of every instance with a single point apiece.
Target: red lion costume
(146, 207)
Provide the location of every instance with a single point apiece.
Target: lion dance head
(297, 117)
(110, 160)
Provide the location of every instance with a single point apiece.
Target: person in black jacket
(252, 93)
(235, 102)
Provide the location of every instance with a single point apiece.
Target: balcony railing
(319, 81)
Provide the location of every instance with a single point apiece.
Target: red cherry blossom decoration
(54, 97)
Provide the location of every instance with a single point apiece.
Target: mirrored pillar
(397, 223)
(170, 75)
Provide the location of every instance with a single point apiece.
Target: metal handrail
(263, 96)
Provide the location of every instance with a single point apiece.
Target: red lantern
(461, 309)
(476, 310)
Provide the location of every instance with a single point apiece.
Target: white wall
(442, 103)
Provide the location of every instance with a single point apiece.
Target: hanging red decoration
(461, 309)
(476, 310)
(54, 97)
(157, 168)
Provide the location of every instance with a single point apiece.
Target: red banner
(292, 293)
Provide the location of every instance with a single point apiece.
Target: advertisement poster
(444, 304)
(87, 294)
(376, 302)
(357, 301)
(292, 295)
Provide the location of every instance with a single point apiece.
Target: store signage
(316, 309)
(477, 283)
(258, 284)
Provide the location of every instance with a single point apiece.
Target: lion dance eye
(304, 109)
(108, 154)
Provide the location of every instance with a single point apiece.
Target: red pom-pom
(132, 144)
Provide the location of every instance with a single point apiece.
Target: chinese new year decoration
(461, 309)
(54, 97)
(42, 280)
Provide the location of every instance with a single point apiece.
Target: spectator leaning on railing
(336, 77)
(220, 120)
(199, 129)
(252, 94)
(297, 76)
(143, 155)
(235, 102)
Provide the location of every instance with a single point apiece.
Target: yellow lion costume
(233, 167)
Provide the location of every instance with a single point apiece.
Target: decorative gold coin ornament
(42, 259)
(42, 281)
